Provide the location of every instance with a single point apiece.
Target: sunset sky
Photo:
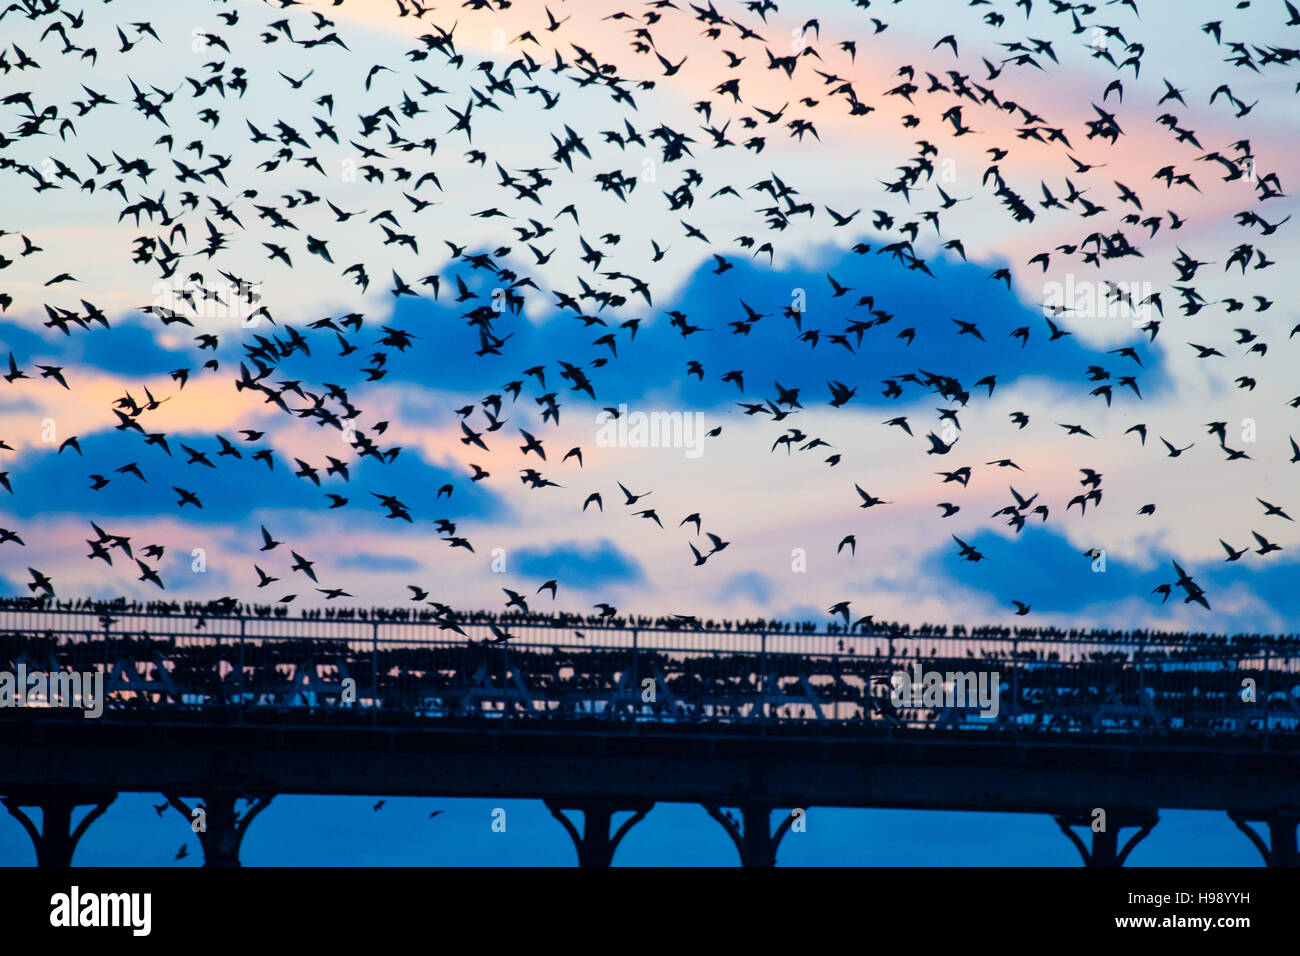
(784, 513)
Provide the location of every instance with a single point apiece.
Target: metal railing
(367, 664)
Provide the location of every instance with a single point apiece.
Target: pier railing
(514, 668)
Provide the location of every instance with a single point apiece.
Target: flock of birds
(194, 202)
(200, 613)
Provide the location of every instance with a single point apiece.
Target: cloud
(750, 584)
(51, 483)
(1037, 567)
(369, 561)
(577, 565)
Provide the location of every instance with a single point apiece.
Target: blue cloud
(579, 565)
(1037, 567)
(49, 483)
(656, 359)
(1044, 570)
(750, 584)
(127, 348)
(365, 561)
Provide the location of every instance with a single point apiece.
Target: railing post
(889, 673)
(1142, 691)
(1015, 687)
(374, 672)
(107, 663)
(1267, 691)
(239, 712)
(762, 679)
(221, 690)
(835, 685)
(636, 679)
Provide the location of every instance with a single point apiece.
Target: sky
(292, 161)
